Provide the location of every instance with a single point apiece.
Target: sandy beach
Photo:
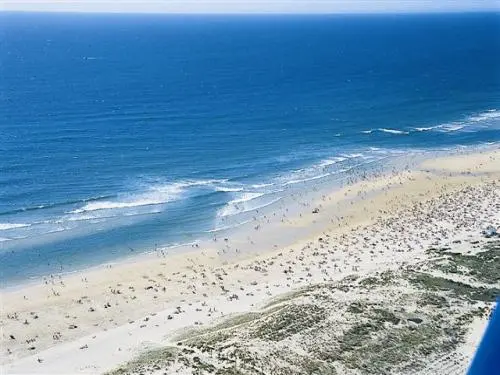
(364, 245)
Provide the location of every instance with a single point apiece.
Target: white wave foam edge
(219, 229)
(488, 115)
(393, 131)
(258, 186)
(332, 161)
(7, 226)
(154, 195)
(491, 114)
(294, 182)
(228, 189)
(232, 209)
(425, 129)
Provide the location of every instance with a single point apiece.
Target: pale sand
(479, 163)
(141, 303)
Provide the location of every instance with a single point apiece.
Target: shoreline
(396, 162)
(241, 229)
(197, 276)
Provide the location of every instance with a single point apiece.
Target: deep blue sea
(136, 131)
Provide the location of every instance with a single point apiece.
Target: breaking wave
(469, 124)
(385, 130)
(7, 226)
(153, 195)
(393, 131)
(240, 206)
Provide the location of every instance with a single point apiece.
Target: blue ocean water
(128, 131)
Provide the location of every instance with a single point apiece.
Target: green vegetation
(430, 299)
(150, 361)
(459, 289)
(287, 297)
(288, 321)
(314, 331)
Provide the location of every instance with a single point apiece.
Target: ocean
(122, 132)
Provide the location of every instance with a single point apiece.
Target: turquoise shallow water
(132, 131)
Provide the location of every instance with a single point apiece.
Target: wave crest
(153, 195)
(393, 131)
(7, 226)
(469, 124)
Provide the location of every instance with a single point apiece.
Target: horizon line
(260, 13)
